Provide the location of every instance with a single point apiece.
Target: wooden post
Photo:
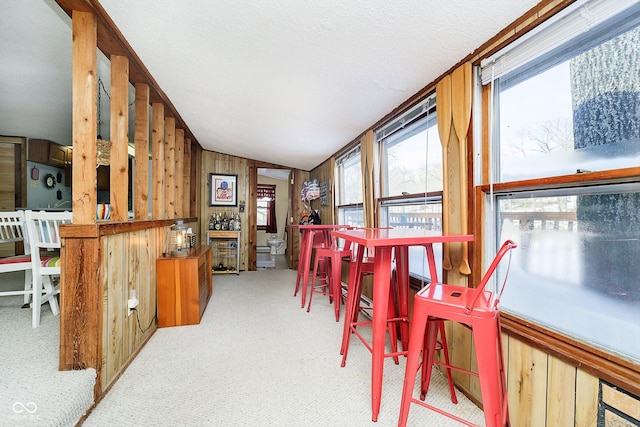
(119, 171)
(157, 192)
(141, 185)
(84, 117)
(186, 177)
(170, 166)
(179, 174)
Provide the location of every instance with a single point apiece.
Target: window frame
(269, 208)
(606, 365)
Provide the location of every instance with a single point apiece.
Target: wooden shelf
(225, 251)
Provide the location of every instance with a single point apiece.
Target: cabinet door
(57, 155)
(38, 151)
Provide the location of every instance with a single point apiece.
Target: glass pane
(351, 216)
(421, 216)
(408, 166)
(262, 212)
(350, 174)
(580, 114)
(576, 267)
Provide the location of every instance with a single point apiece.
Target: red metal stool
(476, 308)
(311, 241)
(331, 278)
(354, 307)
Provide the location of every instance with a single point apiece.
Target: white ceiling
(288, 81)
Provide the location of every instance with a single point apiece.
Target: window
(349, 189)
(568, 106)
(411, 176)
(267, 208)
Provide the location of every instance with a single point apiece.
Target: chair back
(506, 247)
(43, 230)
(12, 228)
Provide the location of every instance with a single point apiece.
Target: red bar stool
(476, 308)
(366, 267)
(330, 258)
(311, 241)
(354, 307)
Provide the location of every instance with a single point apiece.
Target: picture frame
(223, 189)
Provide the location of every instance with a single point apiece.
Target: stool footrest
(441, 412)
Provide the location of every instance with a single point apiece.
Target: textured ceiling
(288, 82)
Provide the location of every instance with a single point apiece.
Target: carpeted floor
(32, 390)
(258, 359)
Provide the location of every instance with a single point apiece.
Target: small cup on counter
(103, 211)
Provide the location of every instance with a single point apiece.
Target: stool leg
(313, 281)
(445, 351)
(336, 283)
(418, 328)
(351, 316)
(487, 345)
(354, 274)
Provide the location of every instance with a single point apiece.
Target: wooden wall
(213, 162)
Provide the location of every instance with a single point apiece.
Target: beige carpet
(258, 359)
(33, 392)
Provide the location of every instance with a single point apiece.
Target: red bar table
(306, 248)
(385, 241)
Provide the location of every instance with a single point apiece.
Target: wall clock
(49, 181)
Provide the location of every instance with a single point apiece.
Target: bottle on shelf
(232, 223)
(225, 222)
(237, 223)
(211, 223)
(217, 223)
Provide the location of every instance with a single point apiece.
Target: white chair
(44, 238)
(12, 230)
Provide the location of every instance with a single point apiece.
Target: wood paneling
(225, 164)
(324, 173)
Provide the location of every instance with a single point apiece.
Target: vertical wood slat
(119, 171)
(186, 178)
(157, 192)
(84, 113)
(169, 166)
(141, 135)
(560, 393)
(586, 411)
(526, 384)
(179, 174)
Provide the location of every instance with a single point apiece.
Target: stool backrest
(507, 246)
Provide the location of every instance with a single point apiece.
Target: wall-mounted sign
(324, 192)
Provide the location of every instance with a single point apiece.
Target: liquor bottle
(211, 223)
(232, 223)
(218, 222)
(237, 223)
(225, 222)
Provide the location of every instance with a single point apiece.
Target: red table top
(317, 226)
(377, 237)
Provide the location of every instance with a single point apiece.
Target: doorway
(271, 242)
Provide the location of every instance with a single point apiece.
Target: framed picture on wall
(223, 189)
